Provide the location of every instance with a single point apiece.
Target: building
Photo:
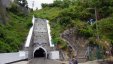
(3, 5)
(7, 3)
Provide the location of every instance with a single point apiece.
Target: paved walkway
(89, 62)
(21, 62)
(11, 57)
(43, 61)
(35, 61)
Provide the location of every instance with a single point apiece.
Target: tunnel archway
(39, 52)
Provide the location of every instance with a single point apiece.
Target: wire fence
(95, 53)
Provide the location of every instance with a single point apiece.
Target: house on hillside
(7, 3)
(3, 5)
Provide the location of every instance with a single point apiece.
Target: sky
(37, 3)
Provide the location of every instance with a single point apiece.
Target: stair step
(82, 60)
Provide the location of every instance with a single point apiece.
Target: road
(43, 61)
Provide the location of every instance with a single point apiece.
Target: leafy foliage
(77, 14)
(63, 15)
(13, 34)
(106, 27)
(48, 13)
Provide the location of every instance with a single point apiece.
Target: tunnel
(39, 53)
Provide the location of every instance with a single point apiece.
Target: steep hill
(14, 32)
(80, 15)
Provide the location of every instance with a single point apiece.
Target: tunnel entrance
(39, 53)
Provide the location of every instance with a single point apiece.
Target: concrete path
(89, 62)
(21, 62)
(12, 57)
(43, 61)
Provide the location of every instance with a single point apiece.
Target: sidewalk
(12, 57)
(89, 62)
(21, 62)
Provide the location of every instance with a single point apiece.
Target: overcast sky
(37, 3)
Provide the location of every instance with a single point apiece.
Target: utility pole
(97, 35)
(96, 19)
(32, 4)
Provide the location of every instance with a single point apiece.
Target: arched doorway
(40, 52)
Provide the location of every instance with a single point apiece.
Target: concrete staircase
(81, 56)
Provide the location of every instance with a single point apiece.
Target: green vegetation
(63, 15)
(48, 13)
(76, 14)
(13, 34)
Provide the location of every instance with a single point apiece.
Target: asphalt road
(43, 61)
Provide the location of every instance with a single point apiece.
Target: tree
(22, 3)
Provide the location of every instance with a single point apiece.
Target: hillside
(14, 32)
(82, 16)
(88, 20)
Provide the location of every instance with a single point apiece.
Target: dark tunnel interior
(39, 53)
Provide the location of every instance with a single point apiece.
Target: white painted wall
(11, 57)
(28, 40)
(49, 33)
(54, 55)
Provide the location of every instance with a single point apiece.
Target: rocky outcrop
(78, 43)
